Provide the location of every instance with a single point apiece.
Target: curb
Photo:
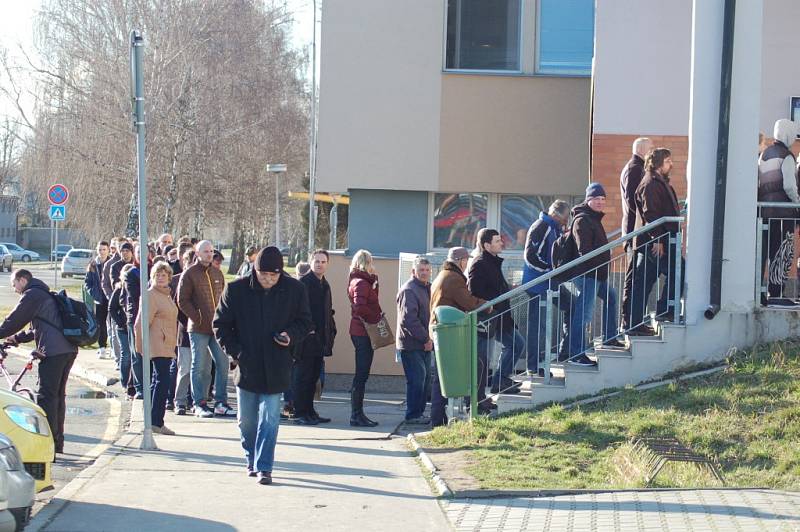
(51, 510)
(93, 376)
(441, 486)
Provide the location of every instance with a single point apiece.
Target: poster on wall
(794, 108)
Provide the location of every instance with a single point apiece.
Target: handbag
(380, 334)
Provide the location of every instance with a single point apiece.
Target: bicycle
(14, 383)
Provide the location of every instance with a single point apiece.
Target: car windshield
(63, 247)
(79, 254)
(13, 246)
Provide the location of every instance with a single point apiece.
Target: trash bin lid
(446, 314)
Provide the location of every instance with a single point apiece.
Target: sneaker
(202, 410)
(614, 343)
(782, 302)
(138, 396)
(642, 330)
(251, 473)
(170, 406)
(264, 478)
(163, 430)
(421, 420)
(180, 411)
(583, 360)
(221, 409)
(101, 353)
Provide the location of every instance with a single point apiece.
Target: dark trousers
(136, 361)
(438, 401)
(173, 379)
(646, 272)
(627, 289)
(160, 391)
(364, 355)
(304, 383)
(101, 314)
(779, 260)
(53, 375)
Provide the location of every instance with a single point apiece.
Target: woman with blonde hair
(162, 321)
(364, 308)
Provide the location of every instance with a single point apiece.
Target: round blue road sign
(58, 194)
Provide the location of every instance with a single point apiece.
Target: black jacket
(320, 341)
(35, 306)
(105, 276)
(629, 181)
(587, 229)
(245, 322)
(116, 310)
(485, 280)
(133, 292)
(655, 198)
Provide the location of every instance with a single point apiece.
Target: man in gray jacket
(38, 307)
(414, 343)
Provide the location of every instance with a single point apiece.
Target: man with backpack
(591, 277)
(39, 307)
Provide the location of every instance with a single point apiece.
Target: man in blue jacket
(538, 246)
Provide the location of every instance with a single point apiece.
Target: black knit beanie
(270, 260)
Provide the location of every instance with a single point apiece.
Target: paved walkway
(684, 510)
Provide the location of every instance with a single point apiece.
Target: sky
(16, 28)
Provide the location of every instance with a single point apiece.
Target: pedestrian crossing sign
(58, 213)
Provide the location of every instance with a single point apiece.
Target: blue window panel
(566, 36)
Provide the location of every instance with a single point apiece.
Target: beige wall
(380, 78)
(522, 134)
(780, 68)
(631, 95)
(342, 360)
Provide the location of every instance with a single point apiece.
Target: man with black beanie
(259, 320)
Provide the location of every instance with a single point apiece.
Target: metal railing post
(678, 286)
(548, 338)
(473, 384)
(759, 259)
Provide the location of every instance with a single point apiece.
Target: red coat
(363, 294)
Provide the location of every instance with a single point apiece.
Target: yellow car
(25, 424)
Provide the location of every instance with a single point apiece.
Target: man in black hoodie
(486, 281)
(38, 307)
(592, 276)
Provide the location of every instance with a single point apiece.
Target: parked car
(60, 251)
(76, 261)
(8, 259)
(21, 487)
(20, 253)
(25, 424)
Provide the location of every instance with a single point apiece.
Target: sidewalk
(330, 477)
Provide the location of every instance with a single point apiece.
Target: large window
(517, 213)
(566, 37)
(457, 219)
(483, 35)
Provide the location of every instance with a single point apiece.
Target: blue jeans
(589, 289)
(513, 347)
(259, 417)
(124, 356)
(201, 368)
(364, 355)
(537, 328)
(417, 367)
(160, 391)
(136, 361)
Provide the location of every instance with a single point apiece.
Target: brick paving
(681, 510)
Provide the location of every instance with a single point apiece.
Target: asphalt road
(95, 419)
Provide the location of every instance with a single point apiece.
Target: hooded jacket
(37, 307)
(538, 251)
(364, 304)
(777, 178)
(246, 321)
(588, 232)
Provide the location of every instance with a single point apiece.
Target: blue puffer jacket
(538, 247)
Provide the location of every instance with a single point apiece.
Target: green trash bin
(452, 342)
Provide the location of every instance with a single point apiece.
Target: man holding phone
(260, 318)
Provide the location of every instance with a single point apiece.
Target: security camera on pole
(57, 195)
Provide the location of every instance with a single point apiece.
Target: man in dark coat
(318, 344)
(257, 323)
(38, 307)
(487, 282)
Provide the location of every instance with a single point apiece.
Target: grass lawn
(747, 416)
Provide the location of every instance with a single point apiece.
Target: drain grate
(655, 453)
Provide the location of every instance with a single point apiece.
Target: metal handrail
(580, 260)
(778, 204)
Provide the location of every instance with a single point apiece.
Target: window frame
(537, 67)
(520, 49)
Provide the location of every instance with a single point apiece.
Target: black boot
(357, 417)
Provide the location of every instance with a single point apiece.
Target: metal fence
(776, 272)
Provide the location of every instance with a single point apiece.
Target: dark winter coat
(106, 283)
(655, 198)
(199, 292)
(116, 308)
(538, 251)
(183, 321)
(450, 288)
(413, 315)
(246, 321)
(94, 283)
(485, 280)
(319, 342)
(133, 292)
(364, 305)
(629, 181)
(38, 307)
(587, 229)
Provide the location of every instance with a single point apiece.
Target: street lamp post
(276, 170)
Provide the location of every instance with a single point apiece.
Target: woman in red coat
(363, 294)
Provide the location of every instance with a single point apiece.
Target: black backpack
(78, 324)
(564, 250)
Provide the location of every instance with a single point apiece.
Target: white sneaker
(163, 430)
(101, 353)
